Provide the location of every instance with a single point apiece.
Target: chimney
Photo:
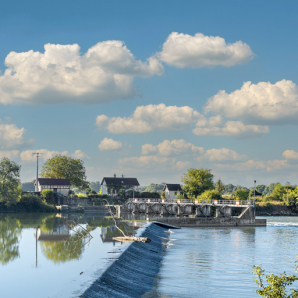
(114, 175)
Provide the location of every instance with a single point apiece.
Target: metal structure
(37, 156)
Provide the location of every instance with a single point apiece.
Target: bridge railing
(191, 201)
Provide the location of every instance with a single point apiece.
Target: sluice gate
(215, 208)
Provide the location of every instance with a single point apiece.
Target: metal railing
(190, 201)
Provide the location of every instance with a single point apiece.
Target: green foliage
(162, 195)
(64, 167)
(121, 193)
(180, 197)
(241, 194)
(32, 202)
(276, 284)
(210, 195)
(100, 191)
(155, 187)
(48, 196)
(251, 193)
(10, 231)
(10, 187)
(228, 188)
(196, 181)
(219, 186)
(239, 187)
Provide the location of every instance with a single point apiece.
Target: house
(56, 185)
(111, 185)
(171, 191)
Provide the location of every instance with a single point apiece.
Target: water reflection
(10, 231)
(58, 241)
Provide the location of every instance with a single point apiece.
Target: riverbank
(275, 210)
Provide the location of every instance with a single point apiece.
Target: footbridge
(215, 208)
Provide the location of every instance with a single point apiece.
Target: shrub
(48, 196)
(210, 195)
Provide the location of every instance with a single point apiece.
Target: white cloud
(149, 118)
(61, 74)
(79, 154)
(231, 128)
(154, 162)
(261, 103)
(12, 137)
(266, 166)
(290, 154)
(173, 147)
(183, 50)
(12, 154)
(223, 154)
(45, 154)
(109, 144)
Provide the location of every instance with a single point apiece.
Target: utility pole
(37, 156)
(255, 192)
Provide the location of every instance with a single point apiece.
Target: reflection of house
(59, 233)
(172, 190)
(56, 185)
(111, 185)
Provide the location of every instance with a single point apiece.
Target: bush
(210, 195)
(48, 196)
(32, 202)
(241, 194)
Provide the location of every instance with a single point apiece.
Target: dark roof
(173, 187)
(53, 181)
(120, 181)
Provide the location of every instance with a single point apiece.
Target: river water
(40, 256)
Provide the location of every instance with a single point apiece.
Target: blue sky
(150, 89)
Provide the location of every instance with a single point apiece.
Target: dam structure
(191, 213)
(133, 274)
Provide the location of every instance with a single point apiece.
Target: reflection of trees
(63, 251)
(10, 230)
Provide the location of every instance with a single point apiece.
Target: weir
(190, 213)
(133, 273)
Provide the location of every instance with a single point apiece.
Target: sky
(150, 89)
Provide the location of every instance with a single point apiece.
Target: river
(40, 256)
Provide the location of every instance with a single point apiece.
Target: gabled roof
(53, 181)
(120, 181)
(173, 187)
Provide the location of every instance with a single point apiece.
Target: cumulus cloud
(61, 74)
(28, 156)
(12, 137)
(11, 154)
(231, 128)
(223, 154)
(79, 154)
(153, 162)
(149, 118)
(264, 103)
(109, 144)
(183, 50)
(249, 165)
(290, 154)
(174, 147)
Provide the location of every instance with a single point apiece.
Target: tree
(242, 194)
(210, 195)
(219, 186)
(276, 284)
(196, 181)
(10, 187)
(278, 192)
(64, 167)
(252, 193)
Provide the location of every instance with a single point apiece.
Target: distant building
(56, 185)
(111, 185)
(171, 191)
